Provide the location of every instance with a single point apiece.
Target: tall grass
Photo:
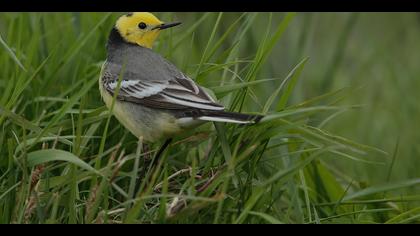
(65, 159)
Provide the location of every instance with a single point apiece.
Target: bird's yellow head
(141, 28)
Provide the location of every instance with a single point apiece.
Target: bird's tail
(230, 117)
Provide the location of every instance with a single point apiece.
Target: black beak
(166, 25)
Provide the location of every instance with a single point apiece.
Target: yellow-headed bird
(154, 99)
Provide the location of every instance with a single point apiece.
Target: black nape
(115, 37)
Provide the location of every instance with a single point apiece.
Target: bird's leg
(161, 150)
(150, 167)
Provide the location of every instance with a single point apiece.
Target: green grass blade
(12, 54)
(294, 76)
(382, 188)
(270, 219)
(49, 155)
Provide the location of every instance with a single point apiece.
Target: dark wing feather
(176, 94)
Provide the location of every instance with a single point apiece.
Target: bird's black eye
(142, 25)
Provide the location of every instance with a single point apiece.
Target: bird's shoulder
(142, 62)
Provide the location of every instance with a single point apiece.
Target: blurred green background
(376, 53)
(375, 56)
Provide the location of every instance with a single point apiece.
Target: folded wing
(178, 93)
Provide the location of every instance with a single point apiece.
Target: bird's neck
(118, 48)
(115, 40)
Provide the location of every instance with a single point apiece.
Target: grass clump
(64, 159)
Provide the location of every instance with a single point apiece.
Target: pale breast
(151, 124)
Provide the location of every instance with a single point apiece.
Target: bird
(149, 95)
